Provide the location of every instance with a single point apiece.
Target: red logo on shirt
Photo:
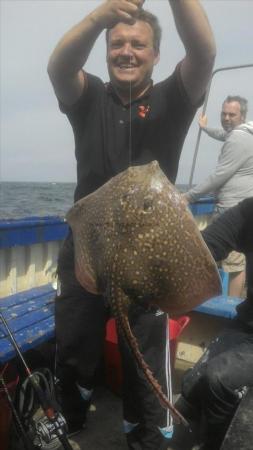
(143, 111)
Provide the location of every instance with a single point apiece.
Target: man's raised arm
(197, 37)
(72, 51)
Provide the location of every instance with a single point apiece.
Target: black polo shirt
(106, 144)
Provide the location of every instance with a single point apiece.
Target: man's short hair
(151, 19)
(242, 102)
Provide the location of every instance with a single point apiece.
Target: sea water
(21, 199)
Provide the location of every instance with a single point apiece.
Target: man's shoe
(184, 438)
(74, 445)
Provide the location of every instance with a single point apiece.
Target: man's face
(231, 115)
(131, 56)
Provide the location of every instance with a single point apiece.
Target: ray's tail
(119, 301)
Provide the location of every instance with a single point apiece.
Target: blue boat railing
(29, 248)
(32, 230)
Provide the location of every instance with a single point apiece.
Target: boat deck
(104, 430)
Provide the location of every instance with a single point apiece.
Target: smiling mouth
(126, 66)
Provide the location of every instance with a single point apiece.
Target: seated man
(212, 389)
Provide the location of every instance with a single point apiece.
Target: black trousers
(216, 383)
(80, 331)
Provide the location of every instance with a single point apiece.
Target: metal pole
(221, 69)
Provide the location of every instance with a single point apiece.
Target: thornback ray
(136, 242)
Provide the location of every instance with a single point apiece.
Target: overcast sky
(36, 139)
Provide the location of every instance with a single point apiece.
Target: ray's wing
(81, 222)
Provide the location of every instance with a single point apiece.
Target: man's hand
(185, 198)
(114, 11)
(139, 3)
(72, 51)
(202, 121)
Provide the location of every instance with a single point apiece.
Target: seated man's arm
(224, 234)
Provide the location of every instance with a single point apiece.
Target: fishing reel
(45, 433)
(37, 406)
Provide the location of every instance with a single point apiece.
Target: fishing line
(130, 117)
(130, 150)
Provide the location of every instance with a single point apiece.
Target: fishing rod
(55, 425)
(19, 427)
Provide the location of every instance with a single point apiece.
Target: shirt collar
(112, 91)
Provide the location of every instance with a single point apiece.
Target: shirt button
(121, 121)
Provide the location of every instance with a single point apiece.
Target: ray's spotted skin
(136, 241)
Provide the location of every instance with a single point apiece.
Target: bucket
(176, 327)
(9, 374)
(113, 370)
